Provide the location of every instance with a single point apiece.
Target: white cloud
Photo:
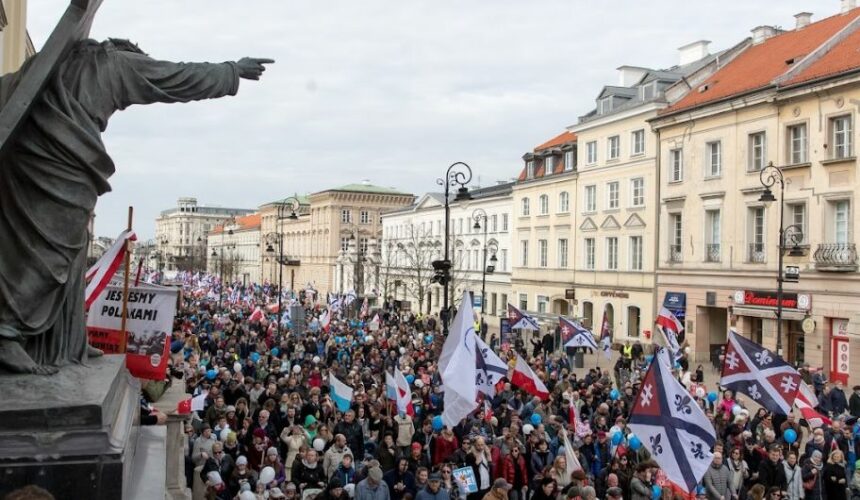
(389, 91)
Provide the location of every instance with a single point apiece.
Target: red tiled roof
(241, 224)
(559, 140)
(562, 138)
(844, 56)
(756, 67)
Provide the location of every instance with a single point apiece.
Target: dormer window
(604, 105)
(530, 169)
(548, 165)
(648, 90)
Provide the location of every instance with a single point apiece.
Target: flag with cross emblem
(672, 426)
(751, 369)
(520, 319)
(575, 335)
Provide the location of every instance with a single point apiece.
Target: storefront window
(757, 330)
(633, 317)
(587, 314)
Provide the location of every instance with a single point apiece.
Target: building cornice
(649, 107)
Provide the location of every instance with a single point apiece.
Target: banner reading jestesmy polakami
(149, 324)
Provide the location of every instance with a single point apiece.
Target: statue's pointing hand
(252, 68)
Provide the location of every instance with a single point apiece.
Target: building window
(712, 235)
(613, 145)
(543, 204)
(589, 253)
(756, 235)
(675, 237)
(344, 244)
(525, 207)
(715, 160)
(504, 301)
(612, 253)
(494, 223)
(757, 151)
(587, 314)
(563, 202)
(346, 216)
(636, 253)
(797, 217)
(542, 253)
(548, 165)
(637, 192)
(504, 222)
(476, 260)
(676, 165)
(634, 319)
(590, 198)
(841, 214)
(542, 303)
(524, 253)
(362, 245)
(612, 194)
(605, 105)
(524, 302)
(569, 160)
(638, 140)
(562, 253)
(591, 152)
(494, 304)
(364, 217)
(797, 144)
(503, 262)
(530, 169)
(460, 228)
(840, 137)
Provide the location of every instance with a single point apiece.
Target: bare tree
(412, 258)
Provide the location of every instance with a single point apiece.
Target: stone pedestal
(73, 433)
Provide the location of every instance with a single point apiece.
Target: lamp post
(458, 174)
(769, 177)
(291, 204)
(479, 215)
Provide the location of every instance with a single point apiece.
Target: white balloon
(267, 475)
(297, 369)
(687, 350)
(248, 495)
(736, 410)
(402, 350)
(319, 444)
(224, 433)
(368, 339)
(316, 360)
(237, 367)
(350, 490)
(527, 429)
(700, 392)
(418, 383)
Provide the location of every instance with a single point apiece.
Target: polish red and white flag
(527, 380)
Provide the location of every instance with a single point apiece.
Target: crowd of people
(269, 427)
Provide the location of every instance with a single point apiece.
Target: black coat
(854, 405)
(772, 474)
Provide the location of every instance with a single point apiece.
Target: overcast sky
(390, 91)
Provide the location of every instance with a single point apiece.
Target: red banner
(840, 351)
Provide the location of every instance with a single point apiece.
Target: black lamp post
(769, 177)
(479, 215)
(458, 174)
(291, 204)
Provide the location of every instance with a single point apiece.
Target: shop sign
(840, 350)
(570, 293)
(614, 294)
(677, 303)
(767, 298)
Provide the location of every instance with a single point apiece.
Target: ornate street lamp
(458, 174)
(769, 177)
(287, 210)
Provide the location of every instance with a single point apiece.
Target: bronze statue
(53, 168)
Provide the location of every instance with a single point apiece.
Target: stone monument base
(73, 433)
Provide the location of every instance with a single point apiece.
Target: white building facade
(234, 250)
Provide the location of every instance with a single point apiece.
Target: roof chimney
(803, 19)
(630, 75)
(692, 52)
(762, 33)
(848, 5)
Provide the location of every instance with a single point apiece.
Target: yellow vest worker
(628, 351)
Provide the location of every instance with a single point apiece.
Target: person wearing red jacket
(445, 445)
(515, 472)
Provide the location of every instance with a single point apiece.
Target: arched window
(563, 202)
(587, 314)
(633, 321)
(544, 204)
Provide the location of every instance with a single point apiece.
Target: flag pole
(123, 337)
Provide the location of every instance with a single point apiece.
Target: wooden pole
(123, 336)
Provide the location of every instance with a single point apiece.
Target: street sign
(477, 300)
(791, 274)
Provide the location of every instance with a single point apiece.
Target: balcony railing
(756, 253)
(837, 257)
(675, 254)
(712, 252)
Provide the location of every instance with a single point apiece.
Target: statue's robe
(58, 167)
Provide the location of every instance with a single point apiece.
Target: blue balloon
(712, 396)
(617, 437)
(211, 374)
(614, 394)
(649, 358)
(536, 419)
(656, 492)
(635, 443)
(255, 357)
(275, 352)
(410, 378)
(438, 423)
(790, 436)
